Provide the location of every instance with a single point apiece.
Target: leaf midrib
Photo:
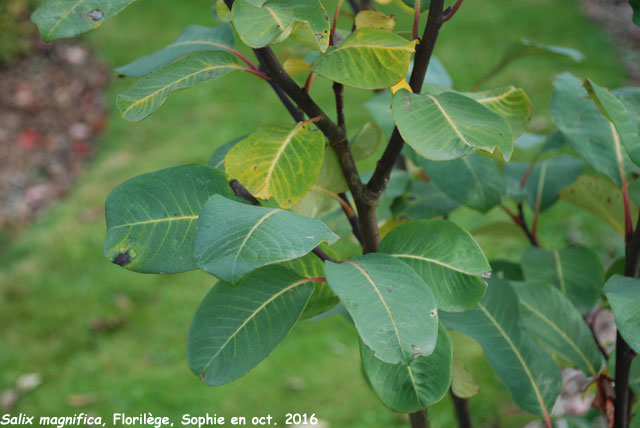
(382, 300)
(429, 260)
(555, 327)
(175, 82)
(253, 315)
(519, 356)
(158, 220)
(448, 119)
(246, 238)
(63, 17)
(280, 151)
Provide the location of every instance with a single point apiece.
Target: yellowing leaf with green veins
(616, 112)
(260, 23)
(148, 93)
(151, 219)
(370, 18)
(278, 160)
(294, 66)
(193, 38)
(223, 12)
(368, 59)
(57, 19)
(449, 125)
(511, 103)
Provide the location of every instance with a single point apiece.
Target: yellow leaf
(402, 84)
(296, 65)
(375, 19)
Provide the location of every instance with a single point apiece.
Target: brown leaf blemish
(122, 259)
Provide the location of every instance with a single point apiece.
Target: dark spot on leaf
(411, 198)
(255, 167)
(415, 348)
(122, 259)
(500, 134)
(201, 375)
(96, 14)
(319, 36)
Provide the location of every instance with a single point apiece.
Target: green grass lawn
(55, 281)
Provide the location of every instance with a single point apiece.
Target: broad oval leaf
(57, 19)
(423, 199)
(367, 59)
(409, 388)
(553, 319)
(193, 38)
(147, 94)
(393, 309)
(616, 112)
(449, 125)
(545, 180)
(473, 180)
(260, 23)
(278, 160)
(511, 103)
(576, 271)
(445, 256)
(233, 239)
(586, 130)
(623, 294)
(600, 197)
(528, 371)
(234, 329)
(151, 219)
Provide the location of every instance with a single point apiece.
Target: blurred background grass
(55, 282)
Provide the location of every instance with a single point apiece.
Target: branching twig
(323, 256)
(448, 14)
(523, 223)
(338, 90)
(378, 181)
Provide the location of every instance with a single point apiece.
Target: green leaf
(511, 103)
(310, 266)
(234, 329)
(586, 130)
(367, 59)
(367, 141)
(616, 112)
(635, 4)
(473, 180)
(151, 219)
(546, 179)
(324, 194)
(261, 23)
(624, 297)
(57, 19)
(553, 319)
(462, 383)
(410, 388)
(598, 196)
(233, 239)
(528, 371)
(423, 200)
(217, 159)
(193, 38)
(278, 160)
(576, 271)
(449, 125)
(447, 258)
(393, 309)
(148, 93)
